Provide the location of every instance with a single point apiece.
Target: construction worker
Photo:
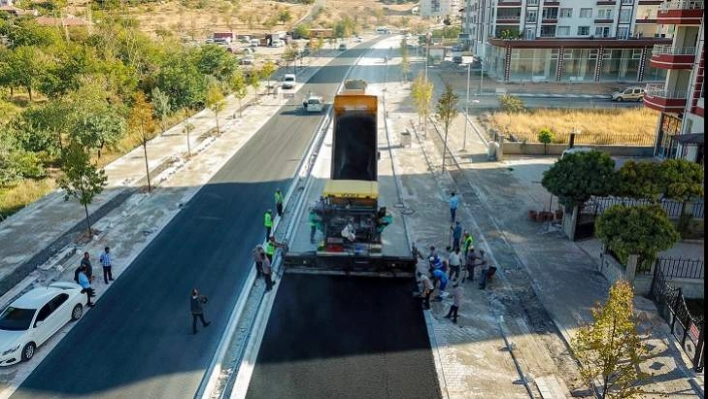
(468, 242)
(268, 222)
(315, 221)
(271, 245)
(279, 202)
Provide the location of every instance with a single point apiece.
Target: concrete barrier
(518, 148)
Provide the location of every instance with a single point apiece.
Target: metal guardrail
(681, 5)
(681, 268)
(669, 49)
(658, 90)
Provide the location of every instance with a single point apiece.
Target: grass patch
(16, 197)
(625, 126)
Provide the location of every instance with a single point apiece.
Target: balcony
(606, 2)
(680, 12)
(552, 3)
(669, 57)
(658, 98)
(509, 3)
(508, 19)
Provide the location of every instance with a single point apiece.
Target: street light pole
(467, 107)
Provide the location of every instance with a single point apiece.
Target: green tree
(302, 31)
(422, 93)
(187, 128)
(405, 62)
(682, 179)
(17, 163)
(511, 104)
(161, 103)
(214, 60)
(610, 349)
(142, 126)
(545, 136)
(254, 80)
(81, 179)
(284, 16)
(29, 65)
(446, 111)
(239, 87)
(291, 53)
(215, 101)
(577, 177)
(182, 82)
(640, 230)
(640, 180)
(267, 71)
(68, 63)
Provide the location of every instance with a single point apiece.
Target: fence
(684, 327)
(637, 139)
(671, 207)
(680, 268)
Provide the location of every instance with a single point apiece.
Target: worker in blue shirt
(86, 286)
(454, 202)
(440, 276)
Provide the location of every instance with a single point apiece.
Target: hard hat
(432, 259)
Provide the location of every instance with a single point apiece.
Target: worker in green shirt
(279, 202)
(469, 242)
(271, 245)
(268, 222)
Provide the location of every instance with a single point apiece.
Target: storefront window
(495, 63)
(670, 127)
(620, 65)
(579, 65)
(532, 65)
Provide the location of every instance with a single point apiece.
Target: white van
(289, 81)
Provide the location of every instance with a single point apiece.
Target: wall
(690, 288)
(557, 149)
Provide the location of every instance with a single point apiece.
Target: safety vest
(268, 220)
(270, 248)
(278, 197)
(468, 242)
(313, 219)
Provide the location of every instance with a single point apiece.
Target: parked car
(342, 47)
(254, 43)
(277, 43)
(289, 81)
(629, 94)
(457, 59)
(36, 316)
(247, 60)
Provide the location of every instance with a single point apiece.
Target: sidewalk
(43, 234)
(564, 275)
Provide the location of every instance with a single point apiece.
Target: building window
(563, 31)
(604, 13)
(566, 13)
(620, 65)
(625, 15)
(548, 31)
(630, 2)
(583, 30)
(586, 13)
(602, 31)
(532, 3)
(550, 13)
(530, 34)
(531, 15)
(579, 65)
(623, 32)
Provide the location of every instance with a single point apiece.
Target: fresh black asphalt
(137, 341)
(344, 337)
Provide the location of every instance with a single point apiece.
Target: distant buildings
(436, 8)
(565, 40)
(681, 96)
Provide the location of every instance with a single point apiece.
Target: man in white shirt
(426, 288)
(455, 263)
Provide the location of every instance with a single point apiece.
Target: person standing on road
(314, 220)
(279, 202)
(455, 264)
(467, 243)
(196, 305)
(440, 276)
(258, 254)
(85, 284)
(485, 270)
(454, 202)
(456, 235)
(86, 262)
(271, 245)
(426, 288)
(107, 263)
(268, 222)
(457, 295)
(267, 272)
(470, 263)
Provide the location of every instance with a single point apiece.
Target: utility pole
(467, 106)
(427, 56)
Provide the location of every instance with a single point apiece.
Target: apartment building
(680, 98)
(565, 40)
(435, 8)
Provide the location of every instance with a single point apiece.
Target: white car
(34, 317)
(289, 81)
(314, 103)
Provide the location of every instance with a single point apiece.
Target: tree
(215, 101)
(238, 85)
(577, 177)
(511, 104)
(187, 128)
(254, 80)
(682, 179)
(142, 126)
(161, 103)
(545, 136)
(267, 71)
(639, 180)
(640, 230)
(28, 64)
(405, 62)
(291, 53)
(446, 111)
(81, 179)
(422, 93)
(301, 31)
(610, 348)
(182, 81)
(214, 60)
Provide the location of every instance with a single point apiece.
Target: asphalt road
(137, 342)
(345, 337)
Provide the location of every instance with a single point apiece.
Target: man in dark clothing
(470, 263)
(86, 261)
(258, 253)
(456, 235)
(197, 310)
(485, 270)
(267, 272)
